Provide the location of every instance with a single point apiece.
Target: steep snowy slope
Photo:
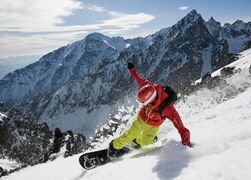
(220, 129)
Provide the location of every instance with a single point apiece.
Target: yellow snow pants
(142, 132)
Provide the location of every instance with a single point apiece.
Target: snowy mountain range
(218, 117)
(78, 86)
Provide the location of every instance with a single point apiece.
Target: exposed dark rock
(227, 71)
(57, 142)
(3, 172)
(6, 137)
(27, 142)
(74, 143)
(248, 45)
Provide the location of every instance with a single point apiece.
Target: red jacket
(148, 113)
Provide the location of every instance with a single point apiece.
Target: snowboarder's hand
(185, 137)
(130, 65)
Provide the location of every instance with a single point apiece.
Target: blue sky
(32, 27)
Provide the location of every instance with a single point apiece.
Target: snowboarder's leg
(148, 135)
(132, 133)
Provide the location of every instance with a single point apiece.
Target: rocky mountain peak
(192, 16)
(213, 27)
(226, 25)
(238, 25)
(213, 22)
(193, 13)
(97, 36)
(117, 43)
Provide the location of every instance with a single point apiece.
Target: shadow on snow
(173, 158)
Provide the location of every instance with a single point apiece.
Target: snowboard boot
(135, 144)
(115, 153)
(155, 140)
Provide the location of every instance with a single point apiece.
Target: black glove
(130, 65)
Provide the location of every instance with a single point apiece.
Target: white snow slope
(221, 133)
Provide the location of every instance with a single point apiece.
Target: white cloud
(183, 8)
(94, 8)
(46, 19)
(100, 9)
(47, 16)
(34, 14)
(127, 22)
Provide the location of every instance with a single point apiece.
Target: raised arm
(140, 81)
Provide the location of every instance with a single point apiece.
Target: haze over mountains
(9, 64)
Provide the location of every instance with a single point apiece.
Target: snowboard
(94, 159)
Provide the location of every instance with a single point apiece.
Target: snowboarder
(146, 124)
